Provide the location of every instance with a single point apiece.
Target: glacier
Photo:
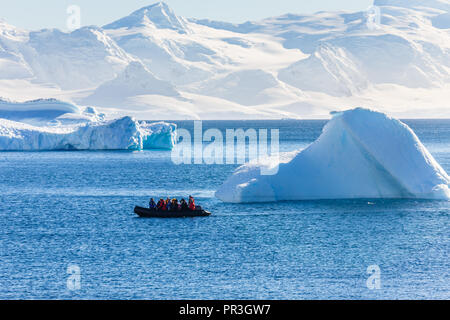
(361, 154)
(51, 124)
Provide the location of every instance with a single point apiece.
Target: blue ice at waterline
(49, 124)
(360, 154)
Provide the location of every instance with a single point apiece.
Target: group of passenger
(172, 205)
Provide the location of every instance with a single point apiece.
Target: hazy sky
(52, 13)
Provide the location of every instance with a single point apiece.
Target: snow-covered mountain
(83, 58)
(153, 62)
(157, 16)
(438, 4)
(161, 40)
(135, 80)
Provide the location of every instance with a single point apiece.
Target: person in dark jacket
(184, 206)
(152, 204)
(175, 205)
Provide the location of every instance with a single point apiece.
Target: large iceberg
(50, 124)
(360, 154)
(120, 134)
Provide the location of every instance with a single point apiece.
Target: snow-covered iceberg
(43, 112)
(120, 134)
(40, 108)
(51, 124)
(360, 154)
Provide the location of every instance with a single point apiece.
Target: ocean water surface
(60, 209)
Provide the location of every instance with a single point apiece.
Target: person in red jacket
(191, 203)
(161, 205)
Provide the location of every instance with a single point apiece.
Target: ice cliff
(49, 124)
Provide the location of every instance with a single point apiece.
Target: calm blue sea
(59, 209)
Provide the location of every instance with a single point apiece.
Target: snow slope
(135, 80)
(162, 41)
(154, 62)
(12, 64)
(158, 16)
(439, 4)
(404, 50)
(360, 154)
(83, 58)
(121, 134)
(248, 88)
(329, 67)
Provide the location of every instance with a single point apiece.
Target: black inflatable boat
(152, 213)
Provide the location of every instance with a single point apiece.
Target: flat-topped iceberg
(38, 105)
(43, 111)
(120, 134)
(360, 154)
(51, 124)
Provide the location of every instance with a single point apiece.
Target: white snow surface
(153, 62)
(158, 15)
(360, 154)
(135, 80)
(439, 4)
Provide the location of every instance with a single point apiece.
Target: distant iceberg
(360, 154)
(47, 111)
(40, 108)
(121, 134)
(50, 124)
